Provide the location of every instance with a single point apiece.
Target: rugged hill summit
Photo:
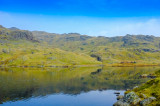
(13, 28)
(20, 48)
(128, 40)
(15, 34)
(111, 50)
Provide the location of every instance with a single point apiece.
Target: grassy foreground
(150, 89)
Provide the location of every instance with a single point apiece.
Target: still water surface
(89, 86)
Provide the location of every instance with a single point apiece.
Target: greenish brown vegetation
(20, 48)
(150, 89)
(38, 48)
(126, 50)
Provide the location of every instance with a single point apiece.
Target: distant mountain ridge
(121, 50)
(126, 41)
(13, 28)
(134, 49)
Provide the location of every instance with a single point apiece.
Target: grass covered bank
(149, 89)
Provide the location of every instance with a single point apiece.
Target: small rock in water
(147, 101)
(116, 92)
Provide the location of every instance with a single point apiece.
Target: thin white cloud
(83, 25)
(119, 28)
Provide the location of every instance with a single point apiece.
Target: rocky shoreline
(132, 99)
(147, 94)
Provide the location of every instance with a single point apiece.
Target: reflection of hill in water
(18, 83)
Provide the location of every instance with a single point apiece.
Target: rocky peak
(13, 28)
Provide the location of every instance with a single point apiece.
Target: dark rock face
(136, 40)
(150, 50)
(22, 35)
(96, 56)
(15, 34)
(13, 28)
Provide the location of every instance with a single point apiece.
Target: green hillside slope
(122, 50)
(20, 48)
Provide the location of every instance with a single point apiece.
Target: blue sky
(92, 17)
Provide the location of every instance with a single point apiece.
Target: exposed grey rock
(22, 35)
(120, 97)
(121, 103)
(132, 98)
(147, 101)
(129, 99)
(16, 34)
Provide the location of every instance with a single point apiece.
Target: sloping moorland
(126, 50)
(38, 48)
(20, 48)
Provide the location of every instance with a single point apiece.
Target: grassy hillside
(20, 48)
(119, 51)
(49, 49)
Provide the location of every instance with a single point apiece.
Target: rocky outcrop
(121, 103)
(132, 99)
(22, 35)
(15, 34)
(120, 97)
(129, 99)
(13, 28)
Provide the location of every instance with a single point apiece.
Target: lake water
(87, 86)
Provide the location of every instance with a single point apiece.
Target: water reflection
(22, 83)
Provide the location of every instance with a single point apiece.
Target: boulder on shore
(129, 99)
(132, 98)
(120, 97)
(121, 103)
